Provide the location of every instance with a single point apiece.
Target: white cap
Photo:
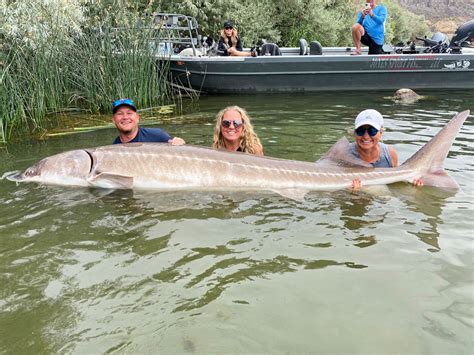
(369, 117)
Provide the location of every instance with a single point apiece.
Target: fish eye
(30, 172)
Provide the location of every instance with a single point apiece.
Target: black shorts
(374, 48)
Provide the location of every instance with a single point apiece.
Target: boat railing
(176, 31)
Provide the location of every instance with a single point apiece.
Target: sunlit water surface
(86, 271)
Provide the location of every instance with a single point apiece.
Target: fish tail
(430, 158)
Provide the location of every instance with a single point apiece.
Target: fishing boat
(437, 63)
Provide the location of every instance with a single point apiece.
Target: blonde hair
(233, 38)
(249, 142)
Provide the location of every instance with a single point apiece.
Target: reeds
(84, 71)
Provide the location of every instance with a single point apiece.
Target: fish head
(68, 168)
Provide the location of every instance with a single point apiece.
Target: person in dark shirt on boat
(234, 132)
(367, 146)
(229, 42)
(126, 118)
(370, 28)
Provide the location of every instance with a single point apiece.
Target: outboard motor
(270, 49)
(438, 43)
(463, 37)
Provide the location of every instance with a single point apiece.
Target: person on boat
(370, 28)
(126, 118)
(367, 146)
(234, 132)
(229, 42)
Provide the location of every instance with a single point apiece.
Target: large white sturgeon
(167, 167)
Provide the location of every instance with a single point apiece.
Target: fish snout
(15, 176)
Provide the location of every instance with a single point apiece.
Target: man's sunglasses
(229, 28)
(227, 123)
(372, 131)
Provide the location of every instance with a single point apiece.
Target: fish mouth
(15, 176)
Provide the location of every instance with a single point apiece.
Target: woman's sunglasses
(227, 123)
(372, 131)
(229, 28)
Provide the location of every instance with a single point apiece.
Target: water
(83, 271)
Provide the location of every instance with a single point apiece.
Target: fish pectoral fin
(111, 181)
(294, 194)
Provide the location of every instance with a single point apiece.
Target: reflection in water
(430, 202)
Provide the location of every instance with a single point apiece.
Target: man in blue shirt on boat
(370, 28)
(126, 118)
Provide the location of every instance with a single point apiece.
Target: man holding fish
(126, 118)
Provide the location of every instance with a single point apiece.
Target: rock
(406, 96)
(442, 15)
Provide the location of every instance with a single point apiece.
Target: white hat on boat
(369, 117)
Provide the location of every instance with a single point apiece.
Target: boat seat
(315, 48)
(270, 49)
(304, 50)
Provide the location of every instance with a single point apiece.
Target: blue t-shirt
(385, 158)
(375, 25)
(148, 135)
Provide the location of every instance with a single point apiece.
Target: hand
(356, 185)
(177, 141)
(231, 50)
(418, 182)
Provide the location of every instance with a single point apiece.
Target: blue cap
(123, 102)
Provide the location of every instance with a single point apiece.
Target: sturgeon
(165, 167)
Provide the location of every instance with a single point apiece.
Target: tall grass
(85, 72)
(117, 63)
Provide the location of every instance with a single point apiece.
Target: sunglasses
(372, 131)
(122, 102)
(229, 28)
(227, 123)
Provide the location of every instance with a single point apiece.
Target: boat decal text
(458, 65)
(405, 63)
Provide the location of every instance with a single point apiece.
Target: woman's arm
(394, 156)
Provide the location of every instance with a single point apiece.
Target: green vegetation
(58, 56)
(286, 21)
(74, 58)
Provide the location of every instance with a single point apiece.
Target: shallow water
(87, 271)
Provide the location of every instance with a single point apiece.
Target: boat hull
(293, 73)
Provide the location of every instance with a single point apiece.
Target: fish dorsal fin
(340, 155)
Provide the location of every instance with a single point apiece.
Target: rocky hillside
(442, 15)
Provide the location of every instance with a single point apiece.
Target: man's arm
(381, 15)
(177, 141)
